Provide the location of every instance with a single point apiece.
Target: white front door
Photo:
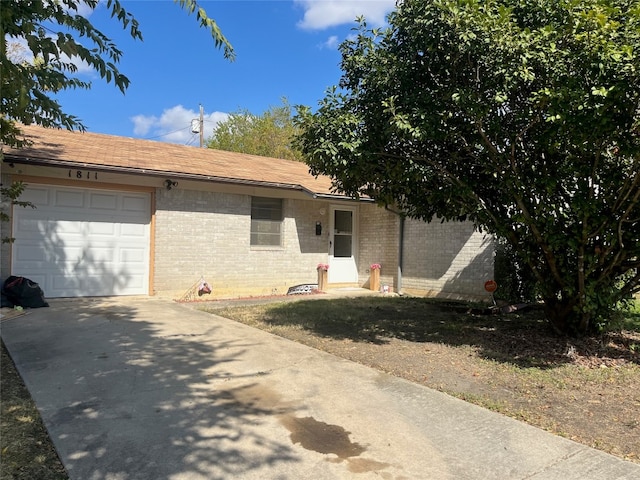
(342, 242)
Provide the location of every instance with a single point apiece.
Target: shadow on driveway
(142, 393)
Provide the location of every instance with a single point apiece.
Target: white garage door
(82, 242)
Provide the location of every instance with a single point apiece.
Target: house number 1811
(80, 174)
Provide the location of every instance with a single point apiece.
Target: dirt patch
(587, 390)
(26, 450)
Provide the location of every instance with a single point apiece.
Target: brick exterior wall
(446, 259)
(378, 235)
(206, 234)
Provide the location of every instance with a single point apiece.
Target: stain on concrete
(309, 433)
(363, 465)
(321, 437)
(257, 398)
(329, 439)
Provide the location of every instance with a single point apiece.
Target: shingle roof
(128, 155)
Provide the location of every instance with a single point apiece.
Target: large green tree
(520, 115)
(56, 38)
(270, 134)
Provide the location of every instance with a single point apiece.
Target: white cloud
(81, 65)
(174, 125)
(322, 14)
(331, 43)
(85, 10)
(81, 9)
(142, 124)
(19, 51)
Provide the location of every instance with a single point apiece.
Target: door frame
(343, 269)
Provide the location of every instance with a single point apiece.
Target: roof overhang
(11, 158)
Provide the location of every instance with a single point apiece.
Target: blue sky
(283, 48)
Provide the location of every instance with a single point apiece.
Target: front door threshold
(335, 286)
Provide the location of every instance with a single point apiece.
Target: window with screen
(266, 222)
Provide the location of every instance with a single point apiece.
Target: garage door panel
(132, 230)
(36, 195)
(31, 254)
(132, 255)
(69, 199)
(67, 228)
(29, 225)
(83, 243)
(69, 286)
(135, 204)
(98, 254)
(134, 281)
(102, 201)
(102, 228)
(62, 282)
(72, 254)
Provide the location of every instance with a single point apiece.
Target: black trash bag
(5, 301)
(23, 292)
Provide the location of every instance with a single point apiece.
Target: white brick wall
(207, 234)
(439, 259)
(446, 259)
(378, 236)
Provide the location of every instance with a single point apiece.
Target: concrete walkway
(142, 388)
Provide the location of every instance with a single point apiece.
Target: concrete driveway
(142, 388)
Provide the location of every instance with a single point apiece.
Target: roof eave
(336, 196)
(12, 158)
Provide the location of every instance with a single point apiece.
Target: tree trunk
(564, 318)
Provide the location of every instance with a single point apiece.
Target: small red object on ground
(490, 286)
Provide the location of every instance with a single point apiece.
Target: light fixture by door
(169, 184)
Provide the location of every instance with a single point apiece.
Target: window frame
(268, 212)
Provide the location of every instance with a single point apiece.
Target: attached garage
(83, 242)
